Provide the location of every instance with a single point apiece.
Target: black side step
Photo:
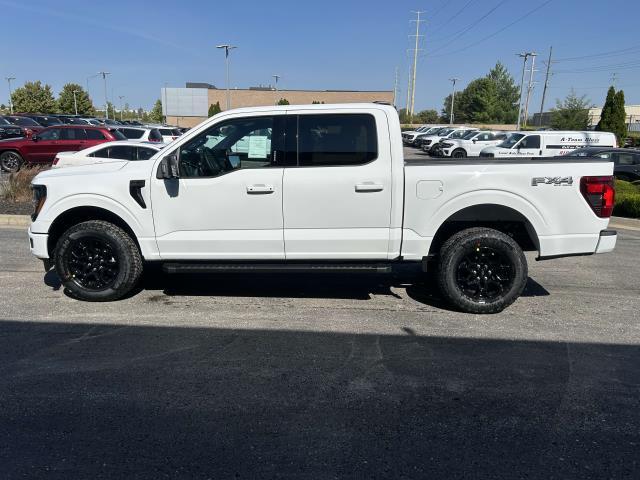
(277, 268)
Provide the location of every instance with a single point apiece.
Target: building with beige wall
(187, 107)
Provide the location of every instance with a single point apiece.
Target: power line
(465, 30)
(517, 20)
(610, 53)
(455, 15)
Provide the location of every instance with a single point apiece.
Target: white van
(548, 143)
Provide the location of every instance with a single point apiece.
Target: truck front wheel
(481, 270)
(97, 261)
(459, 153)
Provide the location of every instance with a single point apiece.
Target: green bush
(627, 199)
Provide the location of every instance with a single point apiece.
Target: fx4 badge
(556, 181)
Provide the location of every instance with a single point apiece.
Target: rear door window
(145, 153)
(122, 152)
(336, 140)
(95, 134)
(624, 158)
(73, 134)
(131, 133)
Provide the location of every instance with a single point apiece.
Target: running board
(376, 268)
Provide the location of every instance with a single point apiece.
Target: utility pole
(10, 93)
(415, 60)
(75, 102)
(276, 78)
(166, 108)
(546, 84)
(524, 56)
(453, 95)
(120, 97)
(408, 93)
(395, 88)
(529, 88)
(226, 48)
(106, 102)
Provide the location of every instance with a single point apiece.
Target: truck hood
(90, 169)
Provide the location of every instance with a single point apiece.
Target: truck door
(337, 200)
(530, 146)
(227, 203)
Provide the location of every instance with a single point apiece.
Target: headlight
(426, 142)
(39, 197)
(447, 145)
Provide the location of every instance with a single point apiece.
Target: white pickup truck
(322, 188)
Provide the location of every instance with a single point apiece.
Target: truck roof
(321, 106)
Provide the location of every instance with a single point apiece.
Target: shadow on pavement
(108, 401)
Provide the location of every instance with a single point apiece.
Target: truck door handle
(260, 189)
(369, 187)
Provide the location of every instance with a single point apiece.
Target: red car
(42, 147)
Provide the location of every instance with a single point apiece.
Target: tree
(427, 116)
(490, 99)
(613, 116)
(283, 101)
(66, 104)
(155, 115)
(214, 109)
(572, 113)
(33, 97)
(508, 94)
(619, 118)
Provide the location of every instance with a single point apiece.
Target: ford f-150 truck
(321, 188)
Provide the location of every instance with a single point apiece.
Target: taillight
(600, 194)
(55, 161)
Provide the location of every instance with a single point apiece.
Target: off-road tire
(454, 257)
(120, 248)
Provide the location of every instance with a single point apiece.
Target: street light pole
(226, 48)
(106, 103)
(10, 93)
(276, 78)
(453, 95)
(120, 97)
(75, 102)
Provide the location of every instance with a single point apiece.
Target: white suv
(471, 144)
(142, 134)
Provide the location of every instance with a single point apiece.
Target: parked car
(317, 188)
(42, 147)
(471, 144)
(43, 120)
(169, 134)
(626, 161)
(9, 130)
(409, 137)
(544, 143)
(431, 143)
(107, 152)
(418, 139)
(141, 134)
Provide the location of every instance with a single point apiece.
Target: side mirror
(168, 168)
(34, 137)
(474, 140)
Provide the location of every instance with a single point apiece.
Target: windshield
(459, 134)
(4, 122)
(470, 135)
(445, 131)
(24, 122)
(511, 140)
(49, 121)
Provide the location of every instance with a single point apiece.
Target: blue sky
(328, 44)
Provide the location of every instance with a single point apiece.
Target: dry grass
(18, 187)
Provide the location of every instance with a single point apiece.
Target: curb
(15, 220)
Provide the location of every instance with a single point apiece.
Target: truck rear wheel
(97, 261)
(481, 270)
(11, 161)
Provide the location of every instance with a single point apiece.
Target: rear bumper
(607, 242)
(38, 244)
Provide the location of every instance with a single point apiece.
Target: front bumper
(607, 242)
(38, 244)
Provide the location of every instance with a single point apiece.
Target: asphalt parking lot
(321, 377)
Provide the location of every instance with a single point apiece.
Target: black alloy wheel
(92, 263)
(484, 274)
